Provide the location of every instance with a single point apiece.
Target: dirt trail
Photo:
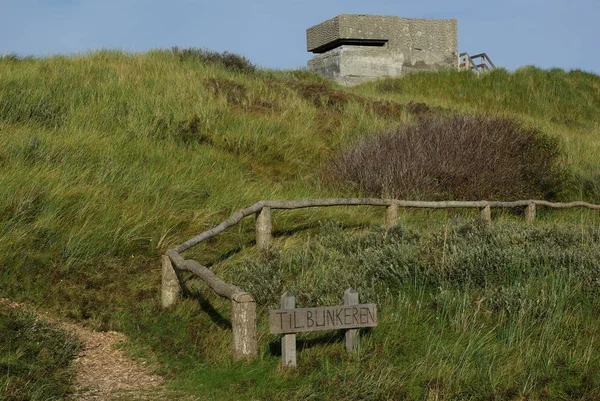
(102, 371)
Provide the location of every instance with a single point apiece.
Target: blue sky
(271, 33)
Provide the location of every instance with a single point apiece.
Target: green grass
(466, 311)
(35, 358)
(108, 159)
(571, 98)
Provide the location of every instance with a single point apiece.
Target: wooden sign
(323, 318)
(290, 320)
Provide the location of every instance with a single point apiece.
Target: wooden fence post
(170, 287)
(530, 213)
(243, 322)
(288, 341)
(391, 215)
(263, 229)
(486, 214)
(351, 298)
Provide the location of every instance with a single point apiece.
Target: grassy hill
(108, 159)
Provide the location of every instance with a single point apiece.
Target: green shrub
(468, 311)
(231, 61)
(464, 256)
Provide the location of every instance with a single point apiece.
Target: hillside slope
(108, 159)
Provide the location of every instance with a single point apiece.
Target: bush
(458, 157)
(494, 261)
(231, 61)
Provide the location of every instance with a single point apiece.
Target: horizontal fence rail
(243, 304)
(243, 321)
(220, 287)
(259, 207)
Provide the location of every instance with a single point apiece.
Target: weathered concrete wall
(428, 43)
(353, 65)
(359, 48)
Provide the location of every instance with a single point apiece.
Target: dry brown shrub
(235, 93)
(327, 122)
(419, 109)
(261, 108)
(457, 157)
(322, 96)
(387, 109)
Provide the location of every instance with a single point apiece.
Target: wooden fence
(243, 304)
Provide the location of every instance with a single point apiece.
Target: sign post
(288, 341)
(290, 320)
(351, 298)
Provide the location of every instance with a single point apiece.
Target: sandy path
(102, 371)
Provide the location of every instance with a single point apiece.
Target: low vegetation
(230, 61)
(563, 104)
(461, 157)
(35, 358)
(108, 159)
(466, 311)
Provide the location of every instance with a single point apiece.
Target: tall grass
(565, 97)
(108, 159)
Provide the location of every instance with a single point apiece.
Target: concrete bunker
(355, 48)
